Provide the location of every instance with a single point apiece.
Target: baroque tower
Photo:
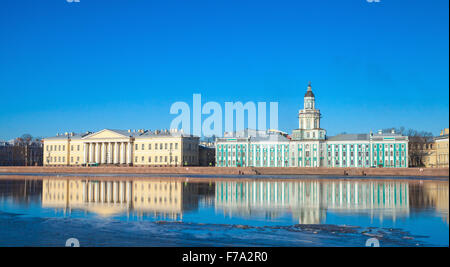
(309, 119)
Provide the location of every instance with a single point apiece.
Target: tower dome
(309, 92)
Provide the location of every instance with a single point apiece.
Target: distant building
(435, 152)
(122, 147)
(19, 153)
(310, 147)
(206, 155)
(442, 149)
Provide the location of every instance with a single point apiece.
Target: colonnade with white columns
(107, 192)
(107, 152)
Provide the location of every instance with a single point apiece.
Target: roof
(441, 137)
(255, 136)
(127, 133)
(349, 137)
(309, 94)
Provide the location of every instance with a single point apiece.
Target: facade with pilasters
(309, 146)
(122, 147)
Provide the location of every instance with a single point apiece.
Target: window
(156, 159)
(176, 145)
(156, 146)
(165, 146)
(136, 147)
(136, 159)
(143, 148)
(149, 146)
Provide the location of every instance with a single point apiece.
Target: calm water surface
(126, 211)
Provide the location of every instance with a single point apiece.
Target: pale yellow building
(430, 155)
(122, 147)
(442, 149)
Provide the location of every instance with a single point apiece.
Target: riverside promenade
(216, 171)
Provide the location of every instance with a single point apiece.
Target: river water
(201, 211)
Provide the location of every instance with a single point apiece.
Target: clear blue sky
(121, 63)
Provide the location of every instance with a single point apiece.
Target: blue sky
(121, 63)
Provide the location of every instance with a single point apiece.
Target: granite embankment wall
(234, 171)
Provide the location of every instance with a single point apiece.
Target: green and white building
(309, 146)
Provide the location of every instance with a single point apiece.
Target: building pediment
(106, 134)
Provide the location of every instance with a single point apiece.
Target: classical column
(91, 152)
(129, 159)
(109, 153)
(116, 153)
(85, 153)
(97, 152)
(122, 153)
(103, 153)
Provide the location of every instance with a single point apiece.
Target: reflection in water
(430, 195)
(164, 199)
(309, 200)
(306, 201)
(402, 211)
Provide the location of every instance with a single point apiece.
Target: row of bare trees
(25, 150)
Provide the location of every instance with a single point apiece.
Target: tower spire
(309, 92)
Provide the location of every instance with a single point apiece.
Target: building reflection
(308, 201)
(164, 199)
(433, 195)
